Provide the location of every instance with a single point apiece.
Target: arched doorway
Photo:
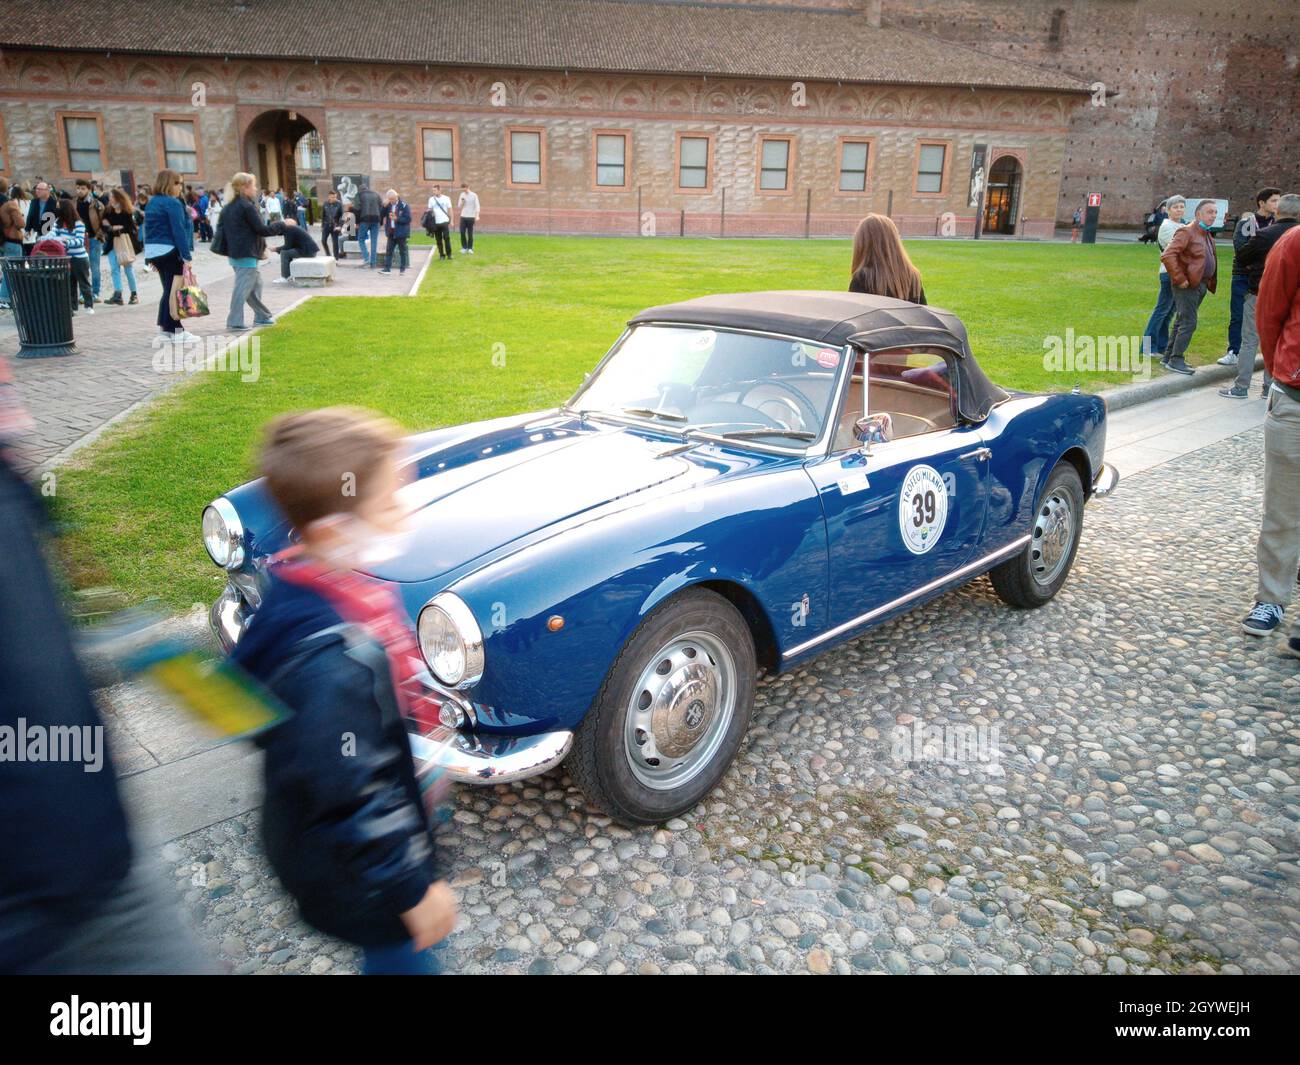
(1002, 196)
(270, 148)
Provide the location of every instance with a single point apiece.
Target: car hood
(483, 491)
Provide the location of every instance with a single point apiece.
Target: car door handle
(980, 453)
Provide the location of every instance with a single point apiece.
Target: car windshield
(768, 390)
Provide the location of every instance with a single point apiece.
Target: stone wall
(1200, 98)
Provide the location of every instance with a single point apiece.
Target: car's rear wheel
(671, 714)
(1037, 573)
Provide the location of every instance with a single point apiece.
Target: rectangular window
(930, 167)
(525, 157)
(81, 135)
(693, 162)
(180, 148)
(774, 164)
(854, 157)
(611, 160)
(438, 146)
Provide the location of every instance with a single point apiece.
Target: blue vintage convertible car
(742, 482)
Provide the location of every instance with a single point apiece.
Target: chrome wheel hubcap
(1053, 536)
(680, 710)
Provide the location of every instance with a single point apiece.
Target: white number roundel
(922, 509)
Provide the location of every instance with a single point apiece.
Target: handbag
(218, 245)
(191, 301)
(123, 249)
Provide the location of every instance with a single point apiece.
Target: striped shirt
(74, 240)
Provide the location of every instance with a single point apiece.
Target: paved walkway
(73, 399)
(1147, 435)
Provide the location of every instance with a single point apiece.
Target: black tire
(1016, 580)
(599, 763)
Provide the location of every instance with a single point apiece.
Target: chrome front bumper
(464, 757)
(487, 759)
(1106, 481)
(228, 616)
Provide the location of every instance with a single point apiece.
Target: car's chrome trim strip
(894, 604)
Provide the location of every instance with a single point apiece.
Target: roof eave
(1010, 86)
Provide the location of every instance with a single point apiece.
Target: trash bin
(42, 305)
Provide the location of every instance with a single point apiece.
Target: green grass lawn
(548, 308)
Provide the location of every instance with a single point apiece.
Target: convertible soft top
(837, 318)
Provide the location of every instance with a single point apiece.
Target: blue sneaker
(1265, 618)
(1292, 647)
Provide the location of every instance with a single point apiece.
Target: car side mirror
(873, 429)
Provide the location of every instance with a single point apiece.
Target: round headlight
(451, 641)
(223, 533)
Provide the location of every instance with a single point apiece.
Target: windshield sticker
(703, 340)
(828, 358)
(922, 509)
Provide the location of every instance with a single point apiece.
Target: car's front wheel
(671, 714)
(1037, 573)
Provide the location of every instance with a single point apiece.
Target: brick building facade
(587, 115)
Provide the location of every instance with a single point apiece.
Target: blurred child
(343, 824)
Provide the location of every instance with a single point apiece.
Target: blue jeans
(127, 268)
(9, 250)
(1157, 329)
(368, 236)
(95, 248)
(398, 959)
(1240, 286)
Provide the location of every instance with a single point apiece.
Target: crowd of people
(1188, 272)
(164, 222)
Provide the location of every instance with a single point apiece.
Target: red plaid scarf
(374, 606)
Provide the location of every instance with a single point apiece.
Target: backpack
(51, 247)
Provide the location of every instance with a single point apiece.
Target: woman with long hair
(119, 222)
(168, 244)
(880, 263)
(244, 235)
(71, 230)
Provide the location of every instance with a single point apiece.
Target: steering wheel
(801, 407)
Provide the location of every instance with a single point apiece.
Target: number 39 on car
(742, 482)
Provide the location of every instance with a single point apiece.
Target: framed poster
(348, 185)
(977, 173)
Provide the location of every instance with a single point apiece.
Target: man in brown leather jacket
(1193, 266)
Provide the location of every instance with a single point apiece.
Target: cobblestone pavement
(1141, 816)
(72, 397)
